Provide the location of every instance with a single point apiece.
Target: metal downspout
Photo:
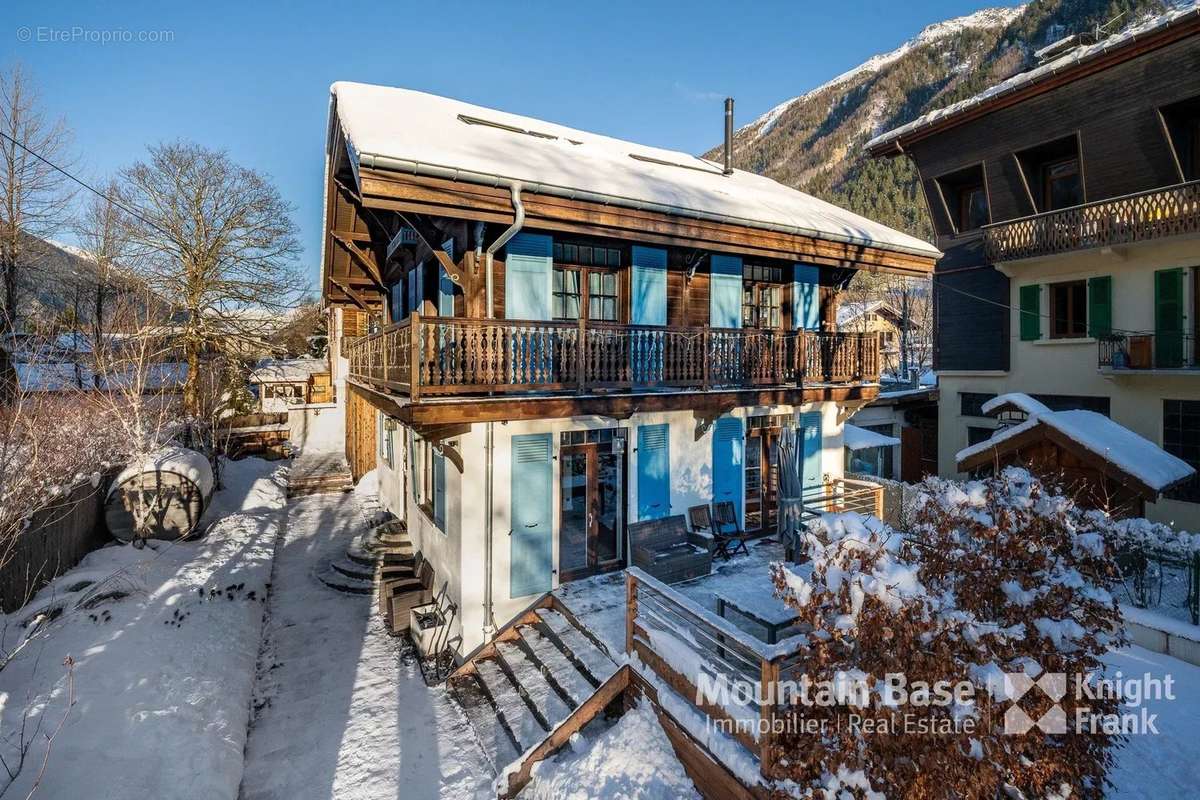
(489, 624)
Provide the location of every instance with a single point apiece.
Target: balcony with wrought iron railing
(1128, 351)
(1144, 216)
(449, 356)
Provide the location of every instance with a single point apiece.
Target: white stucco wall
(318, 427)
(457, 553)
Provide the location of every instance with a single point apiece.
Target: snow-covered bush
(918, 630)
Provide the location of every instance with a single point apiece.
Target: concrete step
(340, 582)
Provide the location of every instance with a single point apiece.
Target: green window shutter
(1100, 306)
(1168, 318)
(1031, 313)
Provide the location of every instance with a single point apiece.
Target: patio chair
(728, 534)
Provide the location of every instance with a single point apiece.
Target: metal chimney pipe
(728, 135)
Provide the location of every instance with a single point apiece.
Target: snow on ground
(164, 641)
(1166, 765)
(630, 759)
(340, 712)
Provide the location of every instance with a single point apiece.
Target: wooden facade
(1111, 115)
(404, 256)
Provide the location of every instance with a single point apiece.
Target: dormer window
(1182, 121)
(966, 198)
(1061, 184)
(1053, 174)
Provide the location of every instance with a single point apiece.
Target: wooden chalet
(545, 336)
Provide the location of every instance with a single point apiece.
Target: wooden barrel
(160, 497)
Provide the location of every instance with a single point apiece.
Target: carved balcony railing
(1156, 214)
(457, 356)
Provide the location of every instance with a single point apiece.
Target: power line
(85, 184)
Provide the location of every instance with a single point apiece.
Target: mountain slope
(813, 142)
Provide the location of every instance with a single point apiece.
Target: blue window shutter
(649, 286)
(810, 440)
(727, 449)
(725, 292)
(532, 545)
(439, 491)
(528, 276)
(414, 466)
(806, 297)
(445, 285)
(654, 471)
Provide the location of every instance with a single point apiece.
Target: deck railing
(1154, 214)
(459, 356)
(839, 495)
(685, 645)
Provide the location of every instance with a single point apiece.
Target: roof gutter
(408, 166)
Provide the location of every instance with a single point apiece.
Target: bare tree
(102, 231)
(911, 300)
(216, 242)
(34, 197)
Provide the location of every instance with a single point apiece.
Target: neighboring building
(542, 335)
(282, 384)
(882, 319)
(1067, 202)
(909, 419)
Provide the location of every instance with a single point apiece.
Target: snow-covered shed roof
(410, 131)
(1014, 401)
(287, 370)
(1067, 62)
(1137, 459)
(856, 438)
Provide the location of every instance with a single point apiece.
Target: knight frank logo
(1051, 684)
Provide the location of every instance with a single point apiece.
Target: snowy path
(164, 641)
(342, 715)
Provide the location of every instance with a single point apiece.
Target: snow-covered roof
(63, 376)
(294, 369)
(848, 312)
(176, 460)
(1130, 453)
(856, 438)
(410, 131)
(1042, 72)
(1014, 400)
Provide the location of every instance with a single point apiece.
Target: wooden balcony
(450, 356)
(1156, 214)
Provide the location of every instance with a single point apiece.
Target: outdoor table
(764, 609)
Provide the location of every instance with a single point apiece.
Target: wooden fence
(58, 537)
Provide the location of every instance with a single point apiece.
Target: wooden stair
(319, 473)
(535, 673)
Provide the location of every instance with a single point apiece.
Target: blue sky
(252, 77)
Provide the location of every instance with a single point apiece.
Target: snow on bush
(997, 577)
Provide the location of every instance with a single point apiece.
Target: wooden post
(383, 356)
(770, 686)
(630, 611)
(879, 502)
(581, 352)
(705, 355)
(414, 338)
